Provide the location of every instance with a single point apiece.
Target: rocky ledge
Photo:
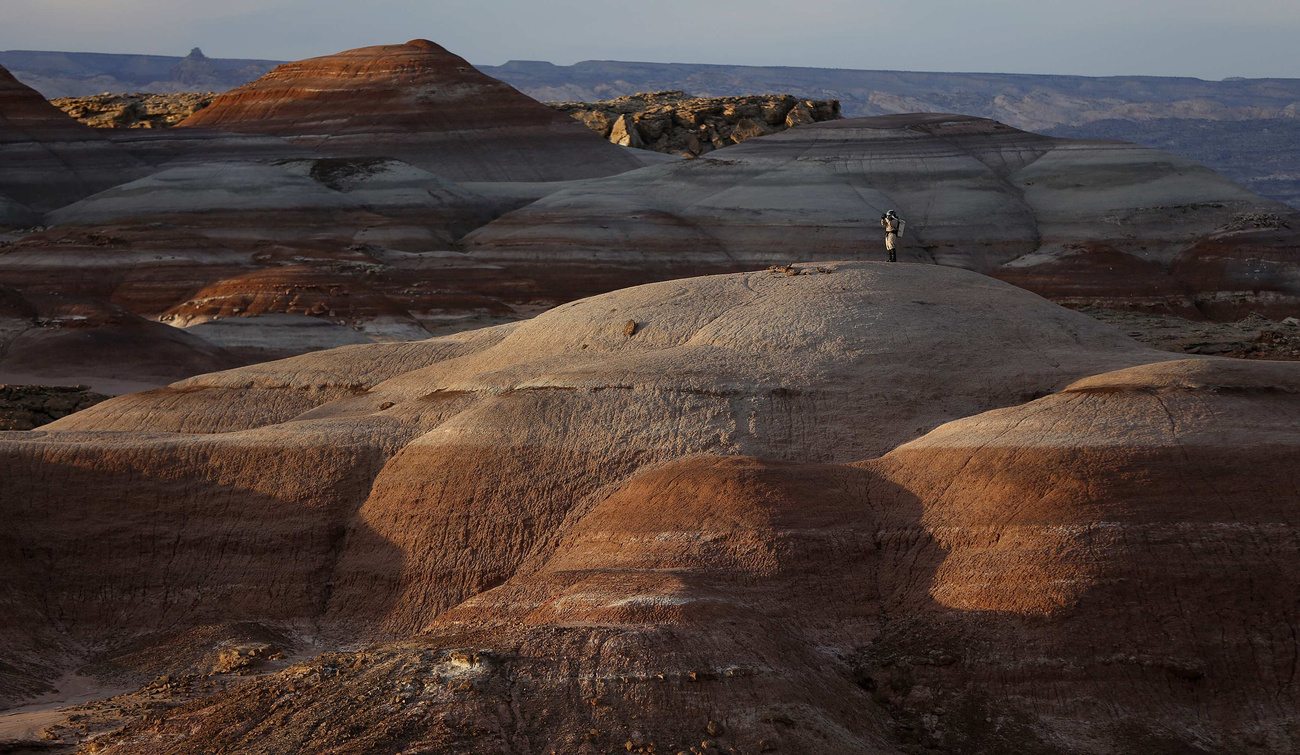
(676, 123)
(135, 110)
(24, 407)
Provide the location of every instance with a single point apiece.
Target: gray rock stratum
(661, 517)
(521, 422)
(1087, 220)
(47, 159)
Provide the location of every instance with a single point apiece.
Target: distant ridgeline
(1244, 128)
(80, 74)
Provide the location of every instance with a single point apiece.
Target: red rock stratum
(421, 104)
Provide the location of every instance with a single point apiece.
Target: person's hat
(891, 213)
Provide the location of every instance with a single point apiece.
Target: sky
(1210, 39)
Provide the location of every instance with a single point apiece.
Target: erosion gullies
(1103, 222)
(663, 515)
(421, 104)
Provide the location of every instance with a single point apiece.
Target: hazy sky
(1205, 38)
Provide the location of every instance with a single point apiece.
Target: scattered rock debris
(1253, 337)
(1249, 221)
(792, 270)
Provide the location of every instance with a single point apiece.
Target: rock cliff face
(679, 124)
(661, 518)
(418, 103)
(134, 110)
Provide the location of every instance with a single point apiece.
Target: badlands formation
(419, 103)
(1082, 222)
(862, 508)
(49, 159)
(493, 496)
(394, 193)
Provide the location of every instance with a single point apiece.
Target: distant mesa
(421, 104)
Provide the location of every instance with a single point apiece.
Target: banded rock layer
(420, 104)
(50, 159)
(1089, 221)
(373, 487)
(658, 518)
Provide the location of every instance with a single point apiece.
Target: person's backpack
(901, 225)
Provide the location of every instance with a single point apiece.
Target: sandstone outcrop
(679, 124)
(420, 104)
(583, 537)
(50, 159)
(1081, 221)
(141, 110)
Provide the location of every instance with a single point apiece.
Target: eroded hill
(864, 508)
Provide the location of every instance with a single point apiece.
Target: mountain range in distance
(1243, 128)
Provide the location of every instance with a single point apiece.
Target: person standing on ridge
(893, 226)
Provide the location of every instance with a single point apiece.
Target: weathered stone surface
(48, 158)
(624, 133)
(420, 104)
(140, 110)
(679, 124)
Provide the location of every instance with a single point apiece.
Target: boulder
(625, 133)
